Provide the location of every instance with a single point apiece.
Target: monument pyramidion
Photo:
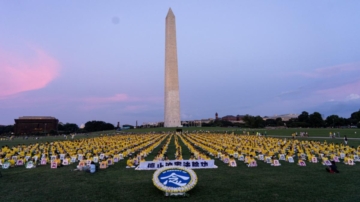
(172, 98)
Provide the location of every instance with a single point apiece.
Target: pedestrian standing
(345, 140)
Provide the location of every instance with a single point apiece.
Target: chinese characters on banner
(198, 164)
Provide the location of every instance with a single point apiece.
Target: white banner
(192, 164)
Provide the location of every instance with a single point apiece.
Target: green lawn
(288, 182)
(323, 132)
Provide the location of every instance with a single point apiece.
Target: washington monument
(172, 99)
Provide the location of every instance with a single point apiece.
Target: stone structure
(35, 124)
(172, 98)
(232, 118)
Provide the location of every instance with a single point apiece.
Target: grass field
(288, 182)
(323, 132)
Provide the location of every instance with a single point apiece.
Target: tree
(254, 122)
(279, 122)
(316, 120)
(259, 122)
(68, 128)
(6, 129)
(304, 117)
(270, 122)
(92, 126)
(333, 121)
(356, 116)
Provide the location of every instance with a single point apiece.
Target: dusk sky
(104, 60)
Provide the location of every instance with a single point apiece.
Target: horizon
(82, 61)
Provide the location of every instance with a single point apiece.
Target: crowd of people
(249, 149)
(104, 151)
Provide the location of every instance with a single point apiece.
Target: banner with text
(192, 164)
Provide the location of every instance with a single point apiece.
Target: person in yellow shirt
(58, 161)
(179, 157)
(346, 159)
(250, 159)
(324, 159)
(130, 163)
(12, 162)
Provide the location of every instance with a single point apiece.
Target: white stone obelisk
(172, 98)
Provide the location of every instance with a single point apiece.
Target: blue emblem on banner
(174, 178)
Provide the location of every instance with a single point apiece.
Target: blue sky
(90, 60)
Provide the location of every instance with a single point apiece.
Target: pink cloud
(115, 98)
(101, 102)
(120, 98)
(135, 107)
(341, 92)
(19, 74)
(329, 71)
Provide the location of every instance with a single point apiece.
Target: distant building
(35, 124)
(284, 117)
(232, 118)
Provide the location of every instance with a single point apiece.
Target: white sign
(252, 164)
(302, 163)
(327, 162)
(351, 162)
(198, 164)
(73, 159)
(65, 162)
(276, 163)
(291, 159)
(241, 158)
(29, 165)
(233, 163)
(96, 159)
(6, 165)
(356, 158)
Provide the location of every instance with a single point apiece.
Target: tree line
(305, 120)
(67, 128)
(90, 126)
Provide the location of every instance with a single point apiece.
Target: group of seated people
(99, 149)
(229, 146)
(107, 150)
(135, 160)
